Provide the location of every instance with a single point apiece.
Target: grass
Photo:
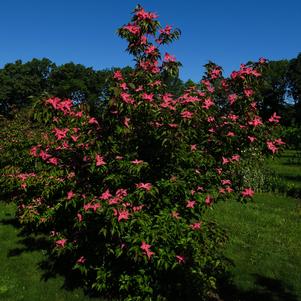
(264, 246)
(20, 275)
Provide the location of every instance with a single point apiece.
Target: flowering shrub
(122, 194)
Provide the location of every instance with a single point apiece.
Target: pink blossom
(235, 157)
(175, 214)
(190, 204)
(60, 133)
(169, 58)
(209, 200)
(248, 92)
(251, 138)
(143, 15)
(225, 160)
(123, 214)
(123, 86)
(187, 114)
(93, 120)
(193, 147)
(279, 141)
(79, 217)
(53, 161)
(274, 118)
(127, 98)
(146, 186)
(195, 226)
(81, 260)
(61, 243)
(180, 259)
(232, 98)
(230, 134)
(148, 97)
(248, 192)
(256, 121)
(118, 75)
(272, 147)
(126, 121)
(226, 182)
(106, 195)
(150, 49)
(166, 30)
(99, 160)
(207, 103)
(136, 161)
(132, 28)
(146, 248)
(70, 195)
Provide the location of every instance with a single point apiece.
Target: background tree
(294, 77)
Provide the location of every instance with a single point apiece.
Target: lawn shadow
(266, 289)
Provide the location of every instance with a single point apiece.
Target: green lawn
(264, 246)
(20, 275)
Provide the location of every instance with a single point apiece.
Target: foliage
(123, 195)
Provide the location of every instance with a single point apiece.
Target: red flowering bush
(123, 194)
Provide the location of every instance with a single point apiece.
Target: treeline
(20, 83)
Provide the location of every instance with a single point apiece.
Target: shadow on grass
(267, 289)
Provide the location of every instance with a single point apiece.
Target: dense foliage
(122, 194)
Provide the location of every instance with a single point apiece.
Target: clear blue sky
(84, 31)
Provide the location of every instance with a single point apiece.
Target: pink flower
(193, 147)
(235, 157)
(180, 259)
(232, 98)
(99, 160)
(248, 192)
(225, 160)
(118, 75)
(209, 200)
(195, 226)
(166, 30)
(136, 161)
(169, 58)
(207, 103)
(53, 161)
(274, 118)
(175, 214)
(230, 134)
(81, 260)
(123, 86)
(279, 141)
(61, 243)
(79, 217)
(148, 97)
(150, 49)
(251, 138)
(272, 147)
(190, 204)
(106, 195)
(123, 214)
(70, 195)
(187, 114)
(143, 15)
(226, 182)
(93, 120)
(127, 98)
(256, 121)
(146, 186)
(262, 60)
(54, 102)
(60, 133)
(248, 92)
(126, 121)
(134, 29)
(146, 248)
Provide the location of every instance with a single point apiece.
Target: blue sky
(84, 31)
